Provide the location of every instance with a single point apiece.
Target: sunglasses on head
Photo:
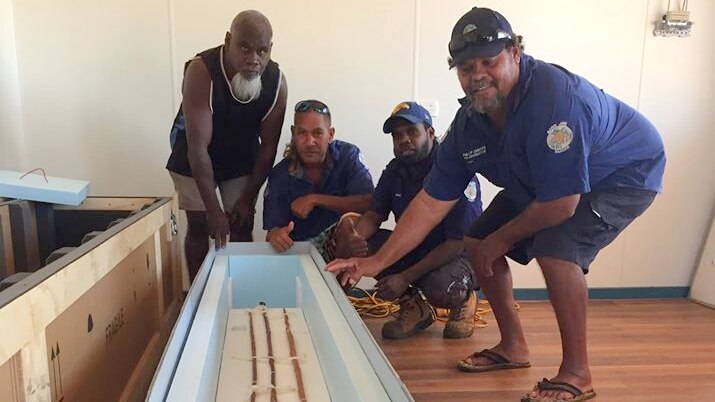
(312, 106)
(458, 43)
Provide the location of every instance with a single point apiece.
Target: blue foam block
(33, 187)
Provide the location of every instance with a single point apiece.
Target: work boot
(414, 315)
(461, 320)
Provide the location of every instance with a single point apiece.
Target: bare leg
(499, 292)
(569, 298)
(242, 232)
(196, 245)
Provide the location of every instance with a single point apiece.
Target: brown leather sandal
(498, 362)
(548, 385)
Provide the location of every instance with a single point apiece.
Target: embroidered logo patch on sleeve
(471, 191)
(559, 137)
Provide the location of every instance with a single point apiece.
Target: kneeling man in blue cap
(435, 272)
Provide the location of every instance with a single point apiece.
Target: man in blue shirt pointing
(577, 166)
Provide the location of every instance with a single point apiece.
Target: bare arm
(368, 224)
(199, 131)
(350, 203)
(423, 214)
(351, 238)
(302, 206)
(270, 136)
(537, 216)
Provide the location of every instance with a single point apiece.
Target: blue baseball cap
(410, 111)
(481, 32)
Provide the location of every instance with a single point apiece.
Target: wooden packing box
(90, 321)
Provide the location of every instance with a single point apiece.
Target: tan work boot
(414, 315)
(461, 320)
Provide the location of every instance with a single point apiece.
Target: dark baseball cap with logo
(481, 32)
(413, 112)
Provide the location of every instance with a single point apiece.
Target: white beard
(246, 90)
(489, 105)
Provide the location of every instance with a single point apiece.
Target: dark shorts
(600, 216)
(446, 286)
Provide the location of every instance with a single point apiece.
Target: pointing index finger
(338, 265)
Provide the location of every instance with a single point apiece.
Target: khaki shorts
(190, 198)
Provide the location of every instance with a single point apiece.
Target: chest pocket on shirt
(336, 183)
(517, 170)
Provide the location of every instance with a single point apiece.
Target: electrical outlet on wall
(432, 106)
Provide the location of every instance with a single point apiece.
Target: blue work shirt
(343, 174)
(399, 184)
(563, 136)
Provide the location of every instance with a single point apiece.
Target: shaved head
(251, 23)
(247, 53)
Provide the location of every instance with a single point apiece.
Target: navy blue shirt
(563, 136)
(399, 184)
(343, 174)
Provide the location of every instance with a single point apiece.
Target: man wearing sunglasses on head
(319, 179)
(226, 134)
(576, 167)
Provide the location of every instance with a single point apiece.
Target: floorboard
(640, 351)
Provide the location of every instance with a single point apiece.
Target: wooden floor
(651, 350)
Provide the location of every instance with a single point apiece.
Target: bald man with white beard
(226, 133)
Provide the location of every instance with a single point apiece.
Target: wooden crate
(92, 324)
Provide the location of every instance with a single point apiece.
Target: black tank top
(236, 126)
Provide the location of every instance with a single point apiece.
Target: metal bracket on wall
(174, 228)
(674, 23)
